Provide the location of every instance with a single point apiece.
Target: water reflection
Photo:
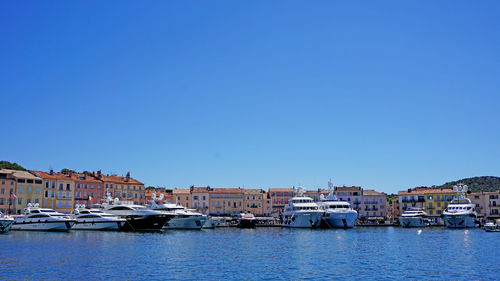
(270, 253)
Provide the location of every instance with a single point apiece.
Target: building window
(20, 189)
(29, 189)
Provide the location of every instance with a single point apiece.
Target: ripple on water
(263, 253)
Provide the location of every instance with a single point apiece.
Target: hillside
(11, 166)
(476, 184)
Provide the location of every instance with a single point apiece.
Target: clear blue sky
(383, 94)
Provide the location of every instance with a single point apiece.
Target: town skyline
(187, 186)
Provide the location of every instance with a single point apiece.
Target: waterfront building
(493, 207)
(279, 198)
(26, 187)
(252, 201)
(88, 189)
(412, 198)
(182, 197)
(351, 194)
(58, 191)
(267, 206)
(124, 188)
(394, 209)
(436, 201)
(226, 201)
(200, 198)
(7, 186)
(480, 201)
(373, 205)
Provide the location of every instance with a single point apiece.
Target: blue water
(373, 253)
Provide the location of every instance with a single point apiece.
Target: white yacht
(338, 214)
(139, 218)
(492, 226)
(211, 222)
(301, 211)
(414, 217)
(94, 219)
(460, 212)
(5, 222)
(181, 218)
(36, 218)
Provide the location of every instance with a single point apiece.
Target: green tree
(11, 166)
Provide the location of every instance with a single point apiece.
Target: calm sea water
(265, 253)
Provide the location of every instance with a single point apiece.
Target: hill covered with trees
(476, 184)
(11, 166)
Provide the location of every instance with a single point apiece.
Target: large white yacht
(414, 217)
(181, 217)
(139, 218)
(36, 218)
(338, 214)
(301, 211)
(5, 222)
(460, 212)
(94, 219)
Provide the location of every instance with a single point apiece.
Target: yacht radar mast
(461, 189)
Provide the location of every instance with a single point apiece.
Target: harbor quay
(66, 191)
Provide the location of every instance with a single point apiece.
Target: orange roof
(200, 189)
(371, 192)
(84, 178)
(439, 190)
(227, 190)
(180, 191)
(53, 176)
(415, 191)
(425, 190)
(117, 179)
(253, 191)
(347, 188)
(280, 189)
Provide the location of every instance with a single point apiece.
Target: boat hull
(211, 223)
(98, 225)
(340, 220)
(186, 223)
(303, 220)
(145, 223)
(246, 223)
(43, 225)
(413, 222)
(5, 225)
(460, 221)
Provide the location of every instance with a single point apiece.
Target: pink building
(373, 206)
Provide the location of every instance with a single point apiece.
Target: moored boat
(246, 220)
(95, 219)
(492, 226)
(42, 219)
(338, 214)
(301, 211)
(414, 217)
(460, 212)
(5, 222)
(181, 217)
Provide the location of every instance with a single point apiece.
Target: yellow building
(58, 191)
(436, 200)
(182, 197)
(226, 201)
(252, 201)
(26, 187)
